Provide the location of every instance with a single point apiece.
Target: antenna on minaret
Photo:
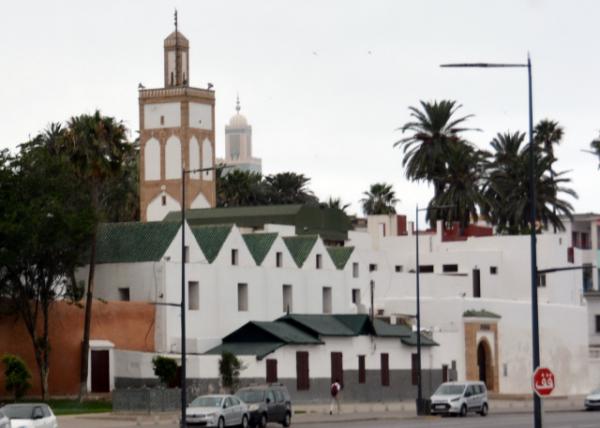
(237, 105)
(176, 51)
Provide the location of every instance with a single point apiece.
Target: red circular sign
(543, 381)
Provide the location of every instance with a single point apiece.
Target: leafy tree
(229, 369)
(379, 199)
(507, 187)
(16, 375)
(165, 369)
(434, 129)
(45, 225)
(289, 188)
(98, 149)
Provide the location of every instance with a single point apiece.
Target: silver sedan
(217, 411)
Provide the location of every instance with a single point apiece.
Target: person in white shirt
(336, 390)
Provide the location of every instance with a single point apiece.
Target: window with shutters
(271, 370)
(302, 371)
(362, 373)
(414, 368)
(385, 369)
(337, 368)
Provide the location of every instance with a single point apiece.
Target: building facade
(475, 291)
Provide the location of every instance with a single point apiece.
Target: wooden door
(100, 371)
(337, 368)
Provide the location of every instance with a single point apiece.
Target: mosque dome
(239, 120)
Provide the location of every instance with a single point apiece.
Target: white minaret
(238, 144)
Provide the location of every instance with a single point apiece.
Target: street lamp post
(537, 408)
(182, 305)
(420, 403)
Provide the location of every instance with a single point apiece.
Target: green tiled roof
(412, 340)
(385, 329)
(324, 325)
(260, 349)
(358, 323)
(340, 255)
(287, 333)
(259, 245)
(133, 241)
(329, 223)
(300, 247)
(472, 313)
(211, 239)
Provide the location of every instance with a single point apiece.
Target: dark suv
(267, 403)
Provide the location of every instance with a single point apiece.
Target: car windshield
(596, 391)
(207, 402)
(18, 411)
(251, 395)
(450, 389)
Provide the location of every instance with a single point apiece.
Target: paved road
(579, 419)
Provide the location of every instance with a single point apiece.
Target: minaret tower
(176, 132)
(238, 144)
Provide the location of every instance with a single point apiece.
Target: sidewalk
(317, 413)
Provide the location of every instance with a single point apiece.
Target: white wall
(194, 158)
(171, 113)
(156, 211)
(152, 160)
(200, 116)
(173, 158)
(207, 159)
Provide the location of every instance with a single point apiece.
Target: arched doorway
(484, 362)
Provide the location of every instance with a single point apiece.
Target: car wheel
(263, 421)
(484, 410)
(244, 421)
(463, 411)
(221, 422)
(287, 421)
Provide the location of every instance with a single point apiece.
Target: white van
(459, 398)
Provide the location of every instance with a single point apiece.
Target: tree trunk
(85, 348)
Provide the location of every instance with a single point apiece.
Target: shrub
(229, 369)
(16, 375)
(166, 370)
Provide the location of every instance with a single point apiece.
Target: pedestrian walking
(336, 390)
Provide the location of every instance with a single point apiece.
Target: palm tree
(462, 193)
(595, 146)
(507, 187)
(240, 188)
(289, 188)
(336, 203)
(434, 129)
(379, 199)
(547, 134)
(97, 147)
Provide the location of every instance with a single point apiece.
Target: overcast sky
(323, 83)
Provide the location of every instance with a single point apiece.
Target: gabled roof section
(322, 325)
(340, 255)
(472, 313)
(260, 349)
(358, 323)
(412, 340)
(384, 329)
(300, 247)
(211, 239)
(270, 331)
(133, 241)
(259, 245)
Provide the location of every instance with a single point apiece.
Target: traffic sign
(543, 381)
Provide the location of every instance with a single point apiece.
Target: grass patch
(74, 407)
